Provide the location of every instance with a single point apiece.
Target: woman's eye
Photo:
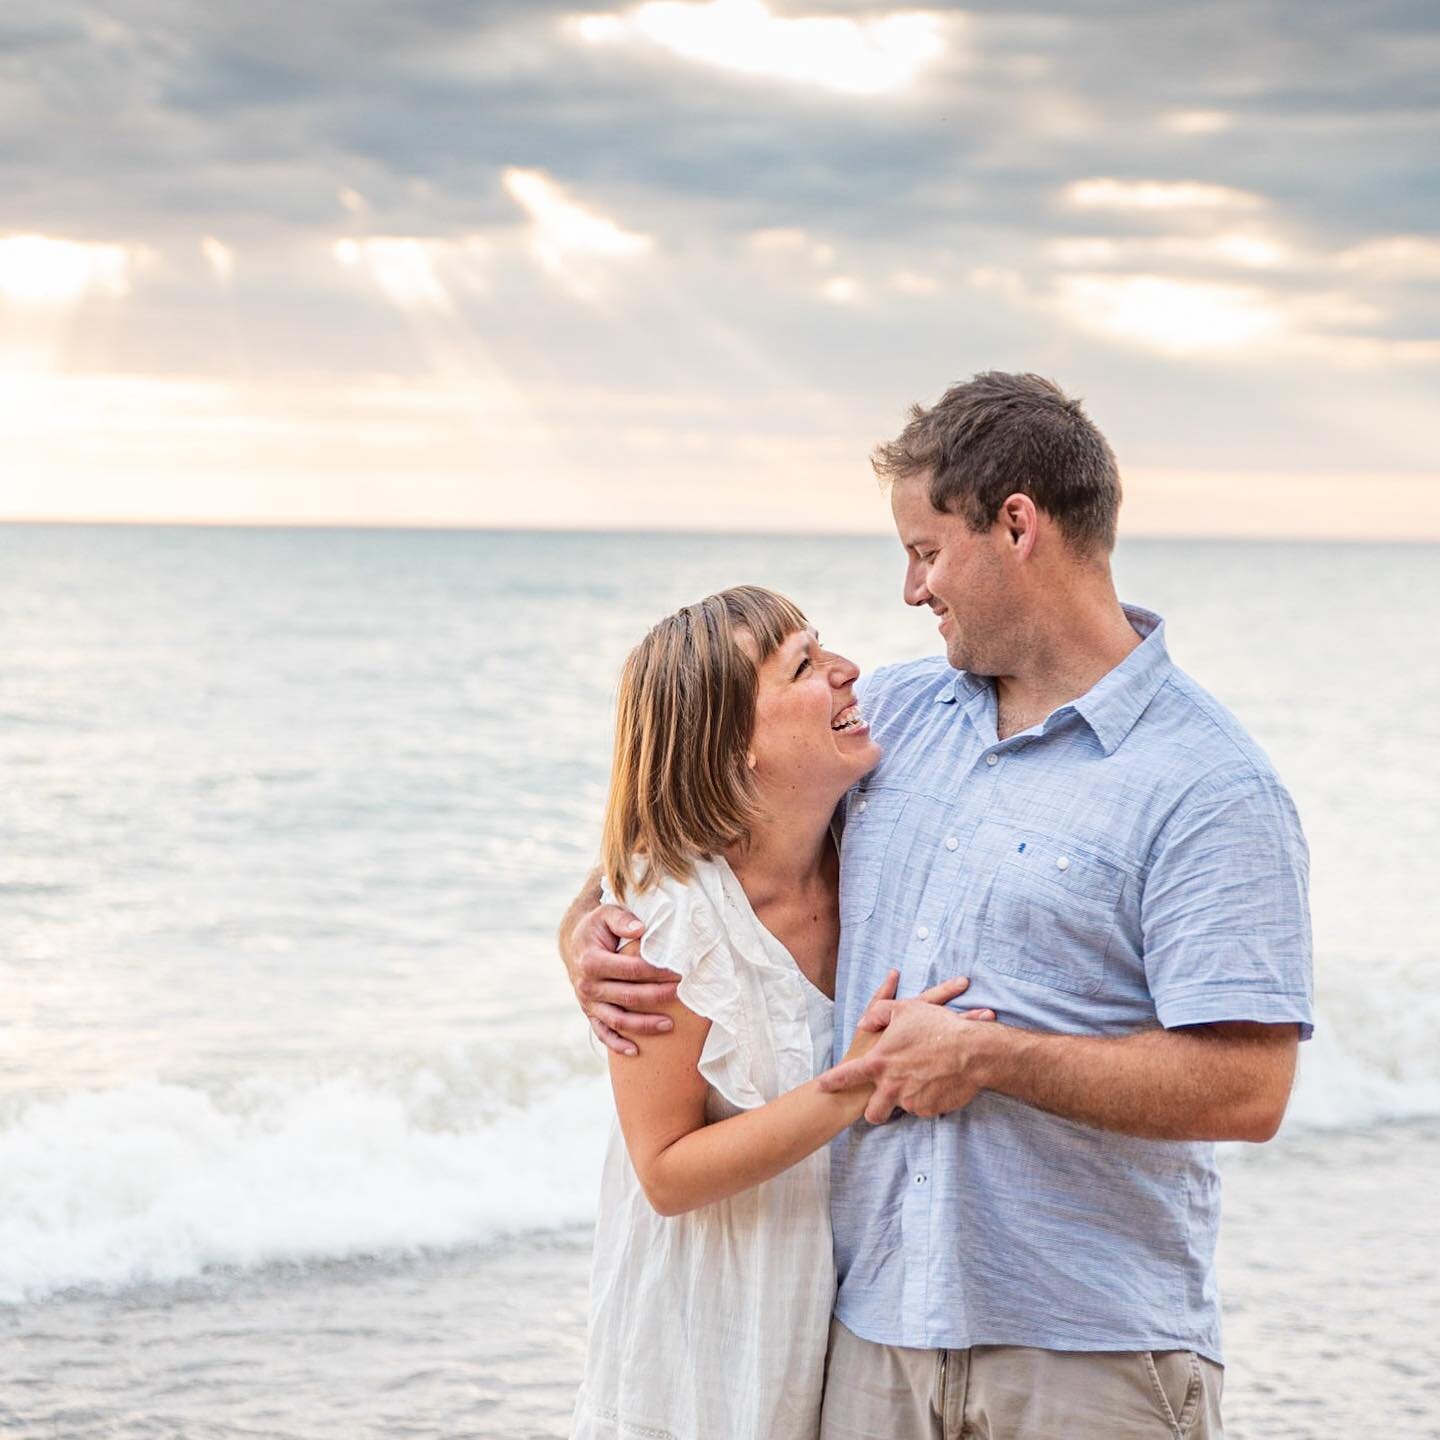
(800, 668)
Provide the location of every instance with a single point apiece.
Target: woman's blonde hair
(680, 785)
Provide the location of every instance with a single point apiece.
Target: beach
(299, 1127)
(1330, 1270)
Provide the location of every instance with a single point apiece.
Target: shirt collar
(1115, 702)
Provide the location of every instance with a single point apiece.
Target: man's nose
(915, 590)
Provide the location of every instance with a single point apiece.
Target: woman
(737, 734)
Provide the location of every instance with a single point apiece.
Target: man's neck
(1072, 647)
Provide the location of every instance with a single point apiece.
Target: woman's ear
(750, 759)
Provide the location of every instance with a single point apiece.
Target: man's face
(961, 575)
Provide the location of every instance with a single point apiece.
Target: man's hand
(928, 1060)
(617, 990)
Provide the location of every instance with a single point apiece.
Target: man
(1028, 1251)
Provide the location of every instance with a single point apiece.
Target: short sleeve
(684, 933)
(1225, 915)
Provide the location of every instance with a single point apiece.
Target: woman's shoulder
(684, 918)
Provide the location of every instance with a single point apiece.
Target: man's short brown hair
(1000, 435)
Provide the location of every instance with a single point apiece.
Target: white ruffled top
(712, 1325)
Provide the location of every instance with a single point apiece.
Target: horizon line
(677, 531)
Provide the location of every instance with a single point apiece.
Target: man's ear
(1021, 521)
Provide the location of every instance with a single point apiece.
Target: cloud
(1395, 257)
(841, 289)
(565, 235)
(792, 242)
(912, 282)
(406, 269)
(1230, 249)
(220, 257)
(1160, 208)
(1179, 317)
(1157, 195)
(1197, 122)
(874, 55)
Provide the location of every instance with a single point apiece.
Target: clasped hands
(920, 1056)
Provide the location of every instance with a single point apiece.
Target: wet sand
(1330, 1266)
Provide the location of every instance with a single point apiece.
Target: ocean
(299, 1126)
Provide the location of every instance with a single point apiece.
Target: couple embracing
(1044, 901)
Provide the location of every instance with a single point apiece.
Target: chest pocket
(1051, 907)
(870, 820)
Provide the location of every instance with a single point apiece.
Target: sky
(683, 264)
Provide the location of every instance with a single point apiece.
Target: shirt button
(921, 1179)
(951, 843)
(862, 804)
(992, 759)
(923, 932)
(1063, 863)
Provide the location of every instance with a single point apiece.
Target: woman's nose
(843, 672)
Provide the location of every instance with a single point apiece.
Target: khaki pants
(1010, 1392)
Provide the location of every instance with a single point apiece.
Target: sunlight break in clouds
(840, 290)
(38, 271)
(220, 257)
(1105, 193)
(404, 268)
(565, 231)
(870, 56)
(1174, 316)
(1196, 122)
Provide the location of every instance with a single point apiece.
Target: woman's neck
(788, 854)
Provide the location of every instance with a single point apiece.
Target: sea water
(287, 822)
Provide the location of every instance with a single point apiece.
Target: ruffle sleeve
(685, 932)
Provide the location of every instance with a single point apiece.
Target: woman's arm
(683, 1163)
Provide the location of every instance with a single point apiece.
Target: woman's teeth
(848, 719)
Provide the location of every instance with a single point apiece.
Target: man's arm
(587, 900)
(618, 993)
(1227, 1081)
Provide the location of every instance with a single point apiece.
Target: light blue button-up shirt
(1132, 862)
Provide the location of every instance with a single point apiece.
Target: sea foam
(160, 1182)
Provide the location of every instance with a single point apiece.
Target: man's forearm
(581, 905)
(1227, 1082)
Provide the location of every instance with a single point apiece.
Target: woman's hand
(865, 1036)
(882, 1003)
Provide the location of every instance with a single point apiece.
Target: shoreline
(1329, 1264)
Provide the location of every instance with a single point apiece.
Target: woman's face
(810, 741)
